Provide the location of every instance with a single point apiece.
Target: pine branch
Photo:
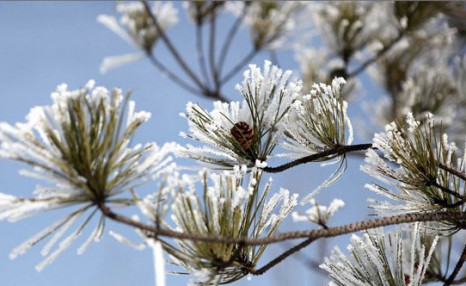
(453, 217)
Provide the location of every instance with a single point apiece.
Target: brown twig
(453, 171)
(446, 190)
(455, 217)
(339, 150)
(457, 268)
(283, 256)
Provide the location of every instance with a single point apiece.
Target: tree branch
(381, 53)
(228, 40)
(172, 48)
(453, 171)
(457, 269)
(282, 257)
(454, 217)
(240, 65)
(213, 70)
(339, 150)
(200, 53)
(164, 70)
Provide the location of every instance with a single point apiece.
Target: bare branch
(213, 70)
(282, 257)
(172, 76)
(457, 269)
(339, 150)
(172, 48)
(453, 171)
(379, 55)
(200, 52)
(229, 38)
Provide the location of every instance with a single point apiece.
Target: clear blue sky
(48, 43)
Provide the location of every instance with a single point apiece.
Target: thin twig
(446, 190)
(172, 48)
(282, 257)
(339, 150)
(453, 171)
(230, 35)
(213, 70)
(200, 53)
(311, 264)
(173, 77)
(457, 269)
(455, 217)
(379, 55)
(240, 65)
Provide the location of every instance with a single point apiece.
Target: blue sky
(48, 43)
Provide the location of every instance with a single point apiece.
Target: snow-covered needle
(401, 258)
(409, 158)
(136, 27)
(240, 133)
(227, 207)
(80, 147)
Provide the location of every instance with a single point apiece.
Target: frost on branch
(80, 146)
(268, 21)
(412, 158)
(319, 214)
(241, 133)
(318, 121)
(347, 26)
(226, 205)
(417, 71)
(401, 258)
(136, 27)
(201, 11)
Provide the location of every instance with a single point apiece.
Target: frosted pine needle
(80, 147)
(241, 133)
(226, 205)
(268, 21)
(137, 28)
(319, 214)
(401, 258)
(408, 158)
(318, 121)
